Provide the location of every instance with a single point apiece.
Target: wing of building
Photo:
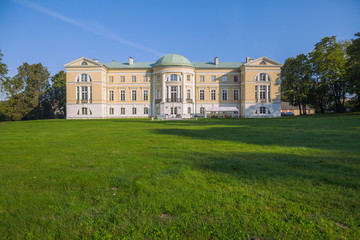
(172, 86)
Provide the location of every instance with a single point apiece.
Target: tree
(329, 61)
(296, 81)
(58, 94)
(3, 80)
(353, 70)
(26, 90)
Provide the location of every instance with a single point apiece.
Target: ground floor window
(262, 110)
(122, 111)
(189, 110)
(111, 111)
(146, 110)
(173, 110)
(202, 110)
(84, 111)
(134, 111)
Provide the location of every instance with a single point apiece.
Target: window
(83, 78)
(173, 77)
(188, 94)
(202, 94)
(146, 95)
(84, 63)
(157, 93)
(213, 78)
(262, 91)
(122, 78)
(84, 111)
(122, 111)
(224, 95)
(77, 93)
(263, 63)
(213, 94)
(111, 95)
(145, 78)
(133, 95)
(269, 95)
(202, 110)
(134, 111)
(146, 110)
(262, 110)
(122, 95)
(202, 78)
(111, 111)
(262, 77)
(84, 93)
(173, 93)
(236, 95)
(133, 78)
(256, 93)
(189, 110)
(173, 110)
(188, 77)
(224, 78)
(236, 78)
(111, 79)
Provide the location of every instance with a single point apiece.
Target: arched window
(263, 77)
(84, 111)
(174, 77)
(202, 110)
(263, 63)
(84, 63)
(83, 78)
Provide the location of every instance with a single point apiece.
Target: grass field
(289, 178)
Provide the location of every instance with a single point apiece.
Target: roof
(219, 65)
(127, 65)
(173, 60)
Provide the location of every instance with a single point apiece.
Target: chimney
(216, 60)
(248, 59)
(113, 60)
(131, 60)
(96, 60)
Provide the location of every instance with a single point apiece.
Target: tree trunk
(300, 108)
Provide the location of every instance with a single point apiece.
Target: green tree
(26, 90)
(58, 94)
(3, 80)
(329, 65)
(353, 70)
(296, 81)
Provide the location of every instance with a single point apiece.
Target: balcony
(189, 100)
(84, 101)
(173, 99)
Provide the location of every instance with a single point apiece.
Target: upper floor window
(224, 78)
(224, 95)
(133, 79)
(188, 77)
(213, 78)
(263, 63)
(236, 78)
(111, 95)
(122, 95)
(202, 78)
(262, 77)
(236, 95)
(173, 77)
(111, 79)
(145, 78)
(213, 94)
(146, 95)
(122, 78)
(83, 78)
(133, 95)
(84, 63)
(202, 94)
(262, 91)
(188, 94)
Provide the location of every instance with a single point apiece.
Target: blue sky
(56, 32)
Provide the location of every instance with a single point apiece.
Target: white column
(183, 90)
(163, 87)
(88, 94)
(266, 89)
(154, 96)
(193, 93)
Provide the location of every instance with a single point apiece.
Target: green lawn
(289, 178)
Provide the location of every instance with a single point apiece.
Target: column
(258, 93)
(88, 94)
(154, 96)
(163, 87)
(183, 90)
(266, 90)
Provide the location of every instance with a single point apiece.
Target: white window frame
(188, 77)
(262, 77)
(145, 95)
(201, 94)
(213, 94)
(122, 78)
(236, 96)
(213, 78)
(111, 95)
(262, 110)
(224, 92)
(202, 110)
(134, 111)
(111, 79)
(146, 110)
(145, 78)
(224, 78)
(111, 111)
(122, 95)
(189, 110)
(133, 78)
(202, 78)
(122, 111)
(133, 96)
(188, 93)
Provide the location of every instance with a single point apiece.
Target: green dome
(173, 60)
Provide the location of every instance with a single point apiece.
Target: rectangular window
(236, 95)
(111, 95)
(224, 95)
(236, 78)
(213, 94)
(133, 95)
(188, 94)
(133, 79)
(84, 93)
(122, 111)
(77, 93)
(145, 78)
(188, 77)
(84, 111)
(111, 79)
(173, 93)
(202, 94)
(262, 91)
(146, 110)
(157, 93)
(189, 110)
(111, 111)
(122, 78)
(262, 110)
(202, 78)
(90, 95)
(213, 78)
(146, 95)
(256, 93)
(224, 78)
(269, 94)
(134, 111)
(122, 95)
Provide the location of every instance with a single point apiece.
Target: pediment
(263, 62)
(83, 62)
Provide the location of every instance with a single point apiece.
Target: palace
(172, 87)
